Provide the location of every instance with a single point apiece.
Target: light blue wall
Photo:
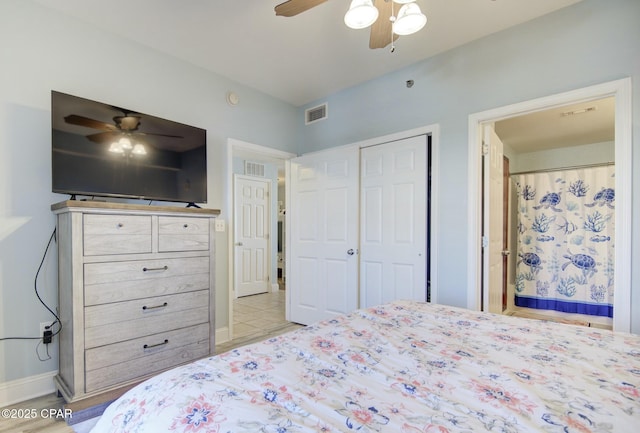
(587, 154)
(592, 42)
(41, 51)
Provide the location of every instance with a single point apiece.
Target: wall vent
(315, 114)
(253, 169)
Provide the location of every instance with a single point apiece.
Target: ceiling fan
(119, 134)
(384, 23)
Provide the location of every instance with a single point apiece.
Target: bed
(402, 367)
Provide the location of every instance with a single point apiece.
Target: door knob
(351, 252)
(239, 244)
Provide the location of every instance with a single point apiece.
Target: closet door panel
(393, 221)
(322, 275)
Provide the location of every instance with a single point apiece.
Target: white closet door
(323, 268)
(393, 227)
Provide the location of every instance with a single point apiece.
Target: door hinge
(485, 242)
(485, 149)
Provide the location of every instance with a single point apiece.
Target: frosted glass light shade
(116, 147)
(403, 2)
(139, 149)
(410, 19)
(361, 14)
(125, 143)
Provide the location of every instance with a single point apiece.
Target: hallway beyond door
(257, 317)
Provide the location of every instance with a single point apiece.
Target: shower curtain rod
(575, 167)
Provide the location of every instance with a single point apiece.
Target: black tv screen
(109, 151)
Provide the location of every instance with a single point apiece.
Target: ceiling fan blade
(294, 7)
(381, 30)
(74, 119)
(157, 135)
(104, 137)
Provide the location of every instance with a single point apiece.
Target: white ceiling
(298, 59)
(573, 125)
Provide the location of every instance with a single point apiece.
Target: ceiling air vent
(315, 114)
(253, 169)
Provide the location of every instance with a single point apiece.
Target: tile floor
(257, 317)
(252, 314)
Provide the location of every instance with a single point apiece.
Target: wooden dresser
(136, 292)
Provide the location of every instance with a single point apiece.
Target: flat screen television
(108, 151)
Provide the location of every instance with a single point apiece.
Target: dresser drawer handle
(120, 225)
(149, 346)
(155, 306)
(185, 226)
(164, 268)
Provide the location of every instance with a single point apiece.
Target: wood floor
(24, 423)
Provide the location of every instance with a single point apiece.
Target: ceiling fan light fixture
(125, 143)
(361, 14)
(139, 149)
(115, 147)
(403, 2)
(410, 20)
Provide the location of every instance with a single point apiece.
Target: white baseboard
(222, 335)
(20, 390)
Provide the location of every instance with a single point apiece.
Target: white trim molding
(222, 335)
(621, 90)
(17, 391)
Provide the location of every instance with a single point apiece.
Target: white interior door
(493, 220)
(393, 185)
(322, 279)
(252, 211)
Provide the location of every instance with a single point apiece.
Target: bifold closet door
(393, 226)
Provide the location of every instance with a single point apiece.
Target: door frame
(236, 148)
(621, 90)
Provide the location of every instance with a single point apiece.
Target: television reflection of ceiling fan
(384, 28)
(125, 125)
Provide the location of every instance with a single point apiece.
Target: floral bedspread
(403, 367)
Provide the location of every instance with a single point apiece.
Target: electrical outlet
(43, 327)
(46, 333)
(219, 225)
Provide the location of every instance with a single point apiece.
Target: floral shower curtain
(566, 240)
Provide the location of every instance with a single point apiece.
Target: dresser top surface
(83, 206)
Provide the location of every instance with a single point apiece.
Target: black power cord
(57, 319)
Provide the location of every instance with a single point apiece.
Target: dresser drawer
(120, 321)
(121, 281)
(115, 363)
(116, 234)
(183, 234)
